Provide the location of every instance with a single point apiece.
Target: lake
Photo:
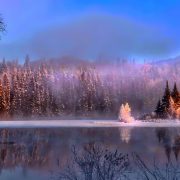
(106, 153)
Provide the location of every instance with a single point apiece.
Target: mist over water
(44, 153)
(97, 94)
(58, 88)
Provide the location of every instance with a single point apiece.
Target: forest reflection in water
(90, 153)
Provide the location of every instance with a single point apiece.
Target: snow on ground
(85, 123)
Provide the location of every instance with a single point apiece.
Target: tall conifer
(165, 101)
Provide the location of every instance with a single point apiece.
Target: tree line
(60, 87)
(169, 105)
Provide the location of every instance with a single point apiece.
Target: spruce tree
(172, 108)
(16, 98)
(31, 98)
(165, 101)
(159, 109)
(175, 94)
(6, 89)
(3, 68)
(2, 103)
(27, 62)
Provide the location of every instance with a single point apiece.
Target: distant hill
(175, 60)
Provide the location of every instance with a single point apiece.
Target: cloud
(96, 35)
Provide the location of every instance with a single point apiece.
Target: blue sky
(148, 29)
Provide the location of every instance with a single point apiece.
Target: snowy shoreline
(85, 123)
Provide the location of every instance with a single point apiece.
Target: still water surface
(89, 153)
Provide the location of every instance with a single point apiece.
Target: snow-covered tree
(125, 113)
(175, 94)
(15, 97)
(2, 100)
(178, 113)
(159, 109)
(170, 104)
(176, 97)
(6, 90)
(51, 87)
(165, 101)
(172, 108)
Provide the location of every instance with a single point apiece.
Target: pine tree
(176, 97)
(172, 109)
(36, 98)
(4, 67)
(6, 89)
(27, 62)
(175, 94)
(14, 96)
(30, 103)
(53, 103)
(45, 103)
(27, 67)
(178, 113)
(165, 101)
(159, 109)
(2, 102)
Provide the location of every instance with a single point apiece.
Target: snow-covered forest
(65, 86)
(169, 106)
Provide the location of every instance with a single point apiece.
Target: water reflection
(170, 139)
(89, 153)
(22, 148)
(125, 134)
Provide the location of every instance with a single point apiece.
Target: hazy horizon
(87, 30)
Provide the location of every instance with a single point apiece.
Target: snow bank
(85, 123)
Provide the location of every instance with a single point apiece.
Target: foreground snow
(87, 123)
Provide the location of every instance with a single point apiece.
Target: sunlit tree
(125, 113)
(172, 108)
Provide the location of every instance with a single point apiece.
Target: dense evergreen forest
(67, 86)
(169, 106)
